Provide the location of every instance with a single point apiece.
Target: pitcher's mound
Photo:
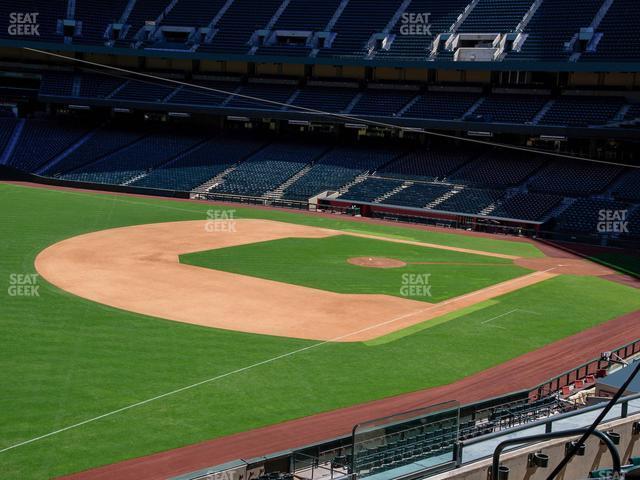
(376, 262)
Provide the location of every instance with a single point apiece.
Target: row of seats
(445, 105)
(269, 168)
(452, 179)
(552, 26)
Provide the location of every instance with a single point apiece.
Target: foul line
(330, 114)
(264, 362)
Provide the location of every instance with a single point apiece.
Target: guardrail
(592, 367)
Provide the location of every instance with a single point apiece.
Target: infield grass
(322, 263)
(65, 359)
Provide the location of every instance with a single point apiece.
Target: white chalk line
(508, 313)
(258, 364)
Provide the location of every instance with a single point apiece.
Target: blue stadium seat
(269, 168)
(199, 165)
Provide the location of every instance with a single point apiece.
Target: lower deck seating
(584, 215)
(527, 206)
(470, 200)
(370, 189)
(135, 160)
(450, 179)
(417, 195)
(629, 187)
(100, 143)
(427, 164)
(7, 126)
(199, 165)
(269, 168)
(574, 179)
(41, 140)
(336, 169)
(499, 168)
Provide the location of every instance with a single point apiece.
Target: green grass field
(322, 263)
(65, 360)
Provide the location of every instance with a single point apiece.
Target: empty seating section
(566, 110)
(553, 25)
(336, 169)
(495, 16)
(584, 214)
(199, 165)
(417, 195)
(574, 179)
(7, 126)
(193, 13)
(272, 92)
(138, 91)
(200, 97)
(498, 168)
(427, 164)
(324, 99)
(358, 22)
(382, 102)
(410, 40)
(442, 105)
(629, 187)
(442, 178)
(582, 111)
(527, 206)
(397, 450)
(99, 143)
(95, 16)
(53, 83)
(620, 35)
(143, 11)
(301, 15)
(550, 32)
(469, 200)
(370, 189)
(42, 140)
(99, 86)
(237, 25)
(509, 108)
(268, 169)
(135, 160)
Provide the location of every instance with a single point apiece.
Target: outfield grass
(322, 263)
(64, 359)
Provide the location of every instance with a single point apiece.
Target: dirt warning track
(137, 269)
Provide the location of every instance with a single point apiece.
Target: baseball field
(133, 325)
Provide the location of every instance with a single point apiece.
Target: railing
(586, 369)
(482, 447)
